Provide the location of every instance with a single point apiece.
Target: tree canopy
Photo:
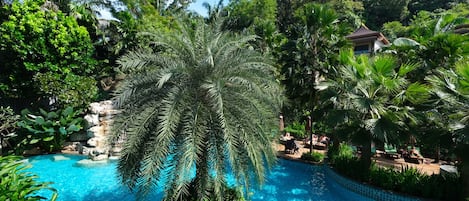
(39, 45)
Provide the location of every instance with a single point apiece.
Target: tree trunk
(465, 179)
(437, 154)
(366, 150)
(366, 154)
(464, 171)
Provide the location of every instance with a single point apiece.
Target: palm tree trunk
(464, 171)
(465, 179)
(437, 158)
(366, 150)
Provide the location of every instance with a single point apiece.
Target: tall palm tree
(308, 57)
(207, 102)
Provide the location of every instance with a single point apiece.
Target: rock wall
(99, 122)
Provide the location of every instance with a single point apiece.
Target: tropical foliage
(296, 129)
(37, 39)
(192, 93)
(47, 130)
(310, 54)
(313, 156)
(372, 98)
(19, 185)
(204, 101)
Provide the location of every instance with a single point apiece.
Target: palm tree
(207, 102)
(369, 100)
(452, 88)
(307, 58)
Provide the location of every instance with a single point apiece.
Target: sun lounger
(413, 155)
(390, 152)
(415, 160)
(291, 147)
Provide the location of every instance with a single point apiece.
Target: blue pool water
(289, 180)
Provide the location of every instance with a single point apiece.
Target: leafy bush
(34, 42)
(67, 89)
(48, 130)
(343, 151)
(296, 129)
(407, 180)
(19, 185)
(313, 156)
(353, 167)
(384, 177)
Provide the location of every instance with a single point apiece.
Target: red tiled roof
(364, 32)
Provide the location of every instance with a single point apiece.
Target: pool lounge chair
(316, 144)
(291, 147)
(413, 155)
(390, 152)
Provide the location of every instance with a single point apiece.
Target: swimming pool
(289, 180)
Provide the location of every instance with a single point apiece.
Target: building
(366, 41)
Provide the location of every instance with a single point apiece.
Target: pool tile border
(371, 192)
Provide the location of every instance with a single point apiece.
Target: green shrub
(297, 130)
(18, 185)
(313, 156)
(352, 167)
(384, 177)
(343, 151)
(35, 42)
(68, 89)
(47, 130)
(410, 180)
(441, 187)
(407, 180)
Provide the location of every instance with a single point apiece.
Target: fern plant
(204, 100)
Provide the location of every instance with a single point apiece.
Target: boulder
(89, 162)
(93, 142)
(91, 119)
(33, 151)
(95, 108)
(60, 158)
(84, 150)
(78, 137)
(96, 131)
(114, 158)
(99, 157)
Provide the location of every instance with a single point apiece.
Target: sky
(194, 6)
(197, 6)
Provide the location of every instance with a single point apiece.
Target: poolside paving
(428, 167)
